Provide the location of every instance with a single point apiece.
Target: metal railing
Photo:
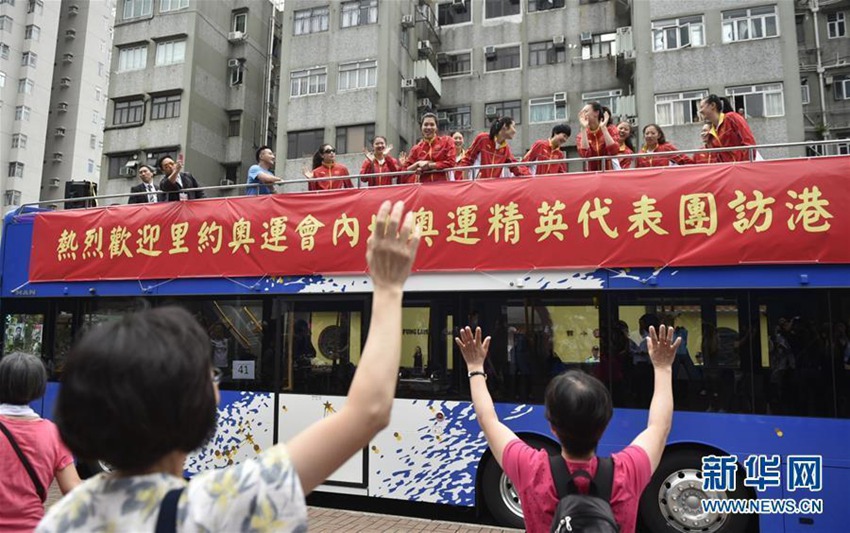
(358, 181)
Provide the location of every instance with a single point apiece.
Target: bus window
(798, 379)
(840, 331)
(23, 333)
(236, 328)
(63, 339)
(535, 339)
(324, 348)
(708, 374)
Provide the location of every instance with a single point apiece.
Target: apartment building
(359, 67)
(27, 48)
(192, 77)
(823, 42)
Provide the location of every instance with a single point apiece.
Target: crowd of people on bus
(489, 155)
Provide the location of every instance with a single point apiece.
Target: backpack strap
(601, 485)
(604, 478)
(166, 522)
(39, 488)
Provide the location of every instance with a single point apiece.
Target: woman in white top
(141, 393)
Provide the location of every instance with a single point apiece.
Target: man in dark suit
(174, 180)
(153, 196)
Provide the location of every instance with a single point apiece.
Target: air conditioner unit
(225, 182)
(62, 107)
(560, 99)
(235, 36)
(57, 157)
(127, 172)
(233, 62)
(424, 47)
(442, 116)
(828, 80)
(65, 83)
(424, 103)
(442, 58)
(54, 182)
(586, 37)
(407, 21)
(60, 132)
(68, 58)
(490, 112)
(71, 34)
(489, 52)
(559, 42)
(73, 9)
(408, 83)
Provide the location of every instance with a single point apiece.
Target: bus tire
(87, 469)
(671, 501)
(500, 497)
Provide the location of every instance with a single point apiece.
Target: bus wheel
(500, 496)
(672, 499)
(89, 469)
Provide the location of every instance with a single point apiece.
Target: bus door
(318, 345)
(427, 348)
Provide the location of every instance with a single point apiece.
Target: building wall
(204, 83)
(83, 62)
(18, 190)
(717, 66)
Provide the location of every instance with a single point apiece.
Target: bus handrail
(359, 180)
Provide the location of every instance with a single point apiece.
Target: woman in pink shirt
(23, 380)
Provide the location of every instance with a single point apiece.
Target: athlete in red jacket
(325, 166)
(549, 150)
(493, 149)
(728, 129)
(378, 161)
(433, 152)
(597, 137)
(655, 144)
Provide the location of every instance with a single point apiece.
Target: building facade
(28, 31)
(193, 78)
(356, 68)
(823, 42)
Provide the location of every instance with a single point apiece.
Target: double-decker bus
(749, 262)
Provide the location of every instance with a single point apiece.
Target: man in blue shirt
(259, 175)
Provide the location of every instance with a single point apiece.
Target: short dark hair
(562, 128)
(260, 151)
(22, 378)
(147, 167)
(163, 158)
(137, 389)
(579, 408)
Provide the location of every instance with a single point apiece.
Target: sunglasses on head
(329, 151)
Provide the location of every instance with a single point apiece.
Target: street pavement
(323, 520)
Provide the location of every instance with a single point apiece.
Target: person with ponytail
(325, 166)
(493, 149)
(597, 137)
(627, 147)
(728, 129)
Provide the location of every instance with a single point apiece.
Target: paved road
(322, 520)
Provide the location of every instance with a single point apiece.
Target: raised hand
(582, 118)
(661, 347)
(473, 349)
(605, 118)
(391, 248)
(388, 149)
(306, 172)
(402, 158)
(369, 155)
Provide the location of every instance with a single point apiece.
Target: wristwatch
(477, 373)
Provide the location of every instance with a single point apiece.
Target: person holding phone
(175, 181)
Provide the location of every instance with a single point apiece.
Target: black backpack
(583, 513)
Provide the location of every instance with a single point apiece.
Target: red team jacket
(597, 147)
(326, 171)
(441, 150)
(542, 151)
(390, 164)
(485, 152)
(732, 130)
(658, 159)
(626, 162)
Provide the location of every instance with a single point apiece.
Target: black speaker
(80, 189)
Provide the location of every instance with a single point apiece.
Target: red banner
(766, 212)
